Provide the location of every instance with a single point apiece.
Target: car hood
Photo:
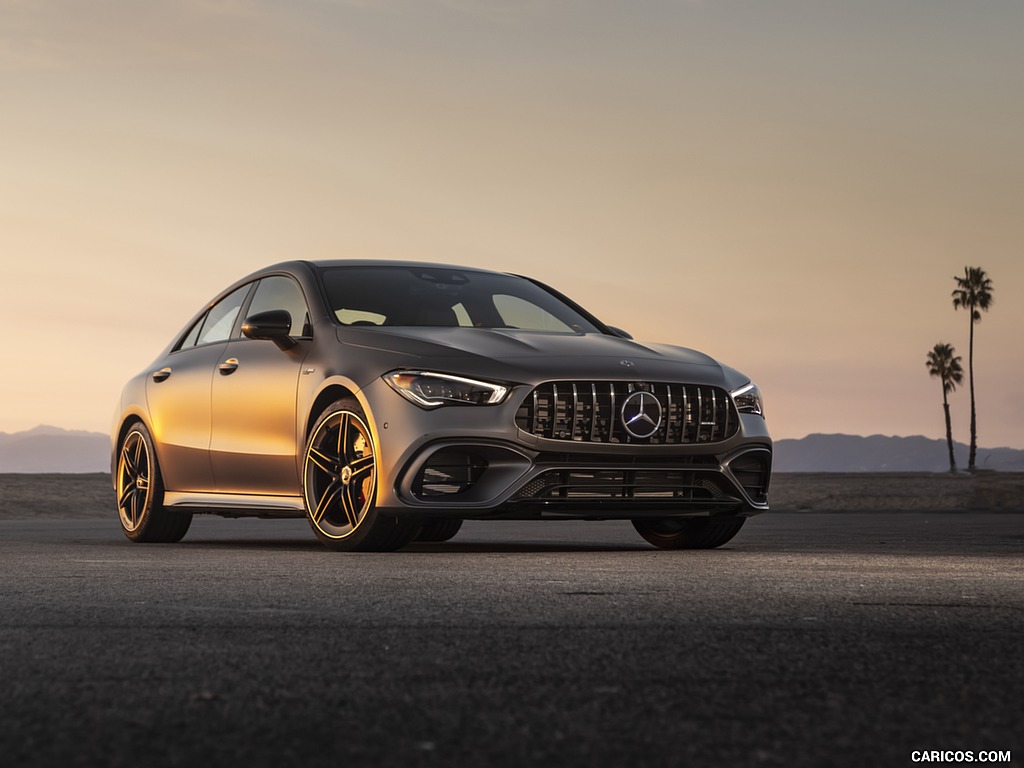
(534, 356)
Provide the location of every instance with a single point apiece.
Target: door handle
(161, 375)
(229, 366)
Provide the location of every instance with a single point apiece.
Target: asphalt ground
(810, 640)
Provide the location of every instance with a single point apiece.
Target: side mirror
(272, 325)
(619, 332)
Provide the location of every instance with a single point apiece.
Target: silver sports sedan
(387, 402)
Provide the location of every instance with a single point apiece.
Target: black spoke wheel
(140, 492)
(340, 482)
(689, 532)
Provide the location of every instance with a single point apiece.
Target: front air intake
(753, 471)
(448, 472)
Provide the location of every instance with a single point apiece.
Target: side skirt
(235, 505)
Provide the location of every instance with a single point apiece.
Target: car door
(255, 432)
(178, 393)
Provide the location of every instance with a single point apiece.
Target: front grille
(590, 412)
(670, 485)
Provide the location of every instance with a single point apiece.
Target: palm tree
(974, 293)
(945, 365)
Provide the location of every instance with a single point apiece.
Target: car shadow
(448, 548)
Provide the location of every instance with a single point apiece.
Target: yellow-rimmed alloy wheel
(140, 492)
(339, 482)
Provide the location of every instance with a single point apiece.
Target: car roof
(329, 263)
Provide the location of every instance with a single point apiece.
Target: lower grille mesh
(621, 484)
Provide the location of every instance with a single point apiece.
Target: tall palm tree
(974, 293)
(945, 365)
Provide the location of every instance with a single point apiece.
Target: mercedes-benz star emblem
(641, 414)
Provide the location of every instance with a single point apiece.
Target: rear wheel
(689, 532)
(140, 493)
(438, 529)
(339, 485)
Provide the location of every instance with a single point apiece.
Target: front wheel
(689, 532)
(140, 493)
(438, 529)
(339, 485)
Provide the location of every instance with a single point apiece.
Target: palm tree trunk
(974, 424)
(949, 433)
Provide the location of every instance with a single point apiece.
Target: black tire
(689, 532)
(140, 492)
(339, 485)
(438, 529)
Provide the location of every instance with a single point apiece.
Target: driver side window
(218, 321)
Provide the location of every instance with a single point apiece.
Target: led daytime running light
(432, 390)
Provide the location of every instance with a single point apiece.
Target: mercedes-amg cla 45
(387, 402)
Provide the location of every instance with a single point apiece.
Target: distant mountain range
(51, 449)
(882, 453)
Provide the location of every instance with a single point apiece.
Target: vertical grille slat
(666, 423)
(608, 423)
(589, 412)
(701, 410)
(575, 413)
(728, 418)
(554, 411)
(687, 415)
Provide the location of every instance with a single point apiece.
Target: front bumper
(474, 462)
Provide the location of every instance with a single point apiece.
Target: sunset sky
(788, 186)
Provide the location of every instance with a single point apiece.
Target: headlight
(431, 390)
(748, 399)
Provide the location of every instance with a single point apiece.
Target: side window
(279, 292)
(217, 323)
(193, 335)
(221, 317)
(520, 313)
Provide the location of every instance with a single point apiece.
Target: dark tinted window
(445, 297)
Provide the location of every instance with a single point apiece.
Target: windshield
(397, 296)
